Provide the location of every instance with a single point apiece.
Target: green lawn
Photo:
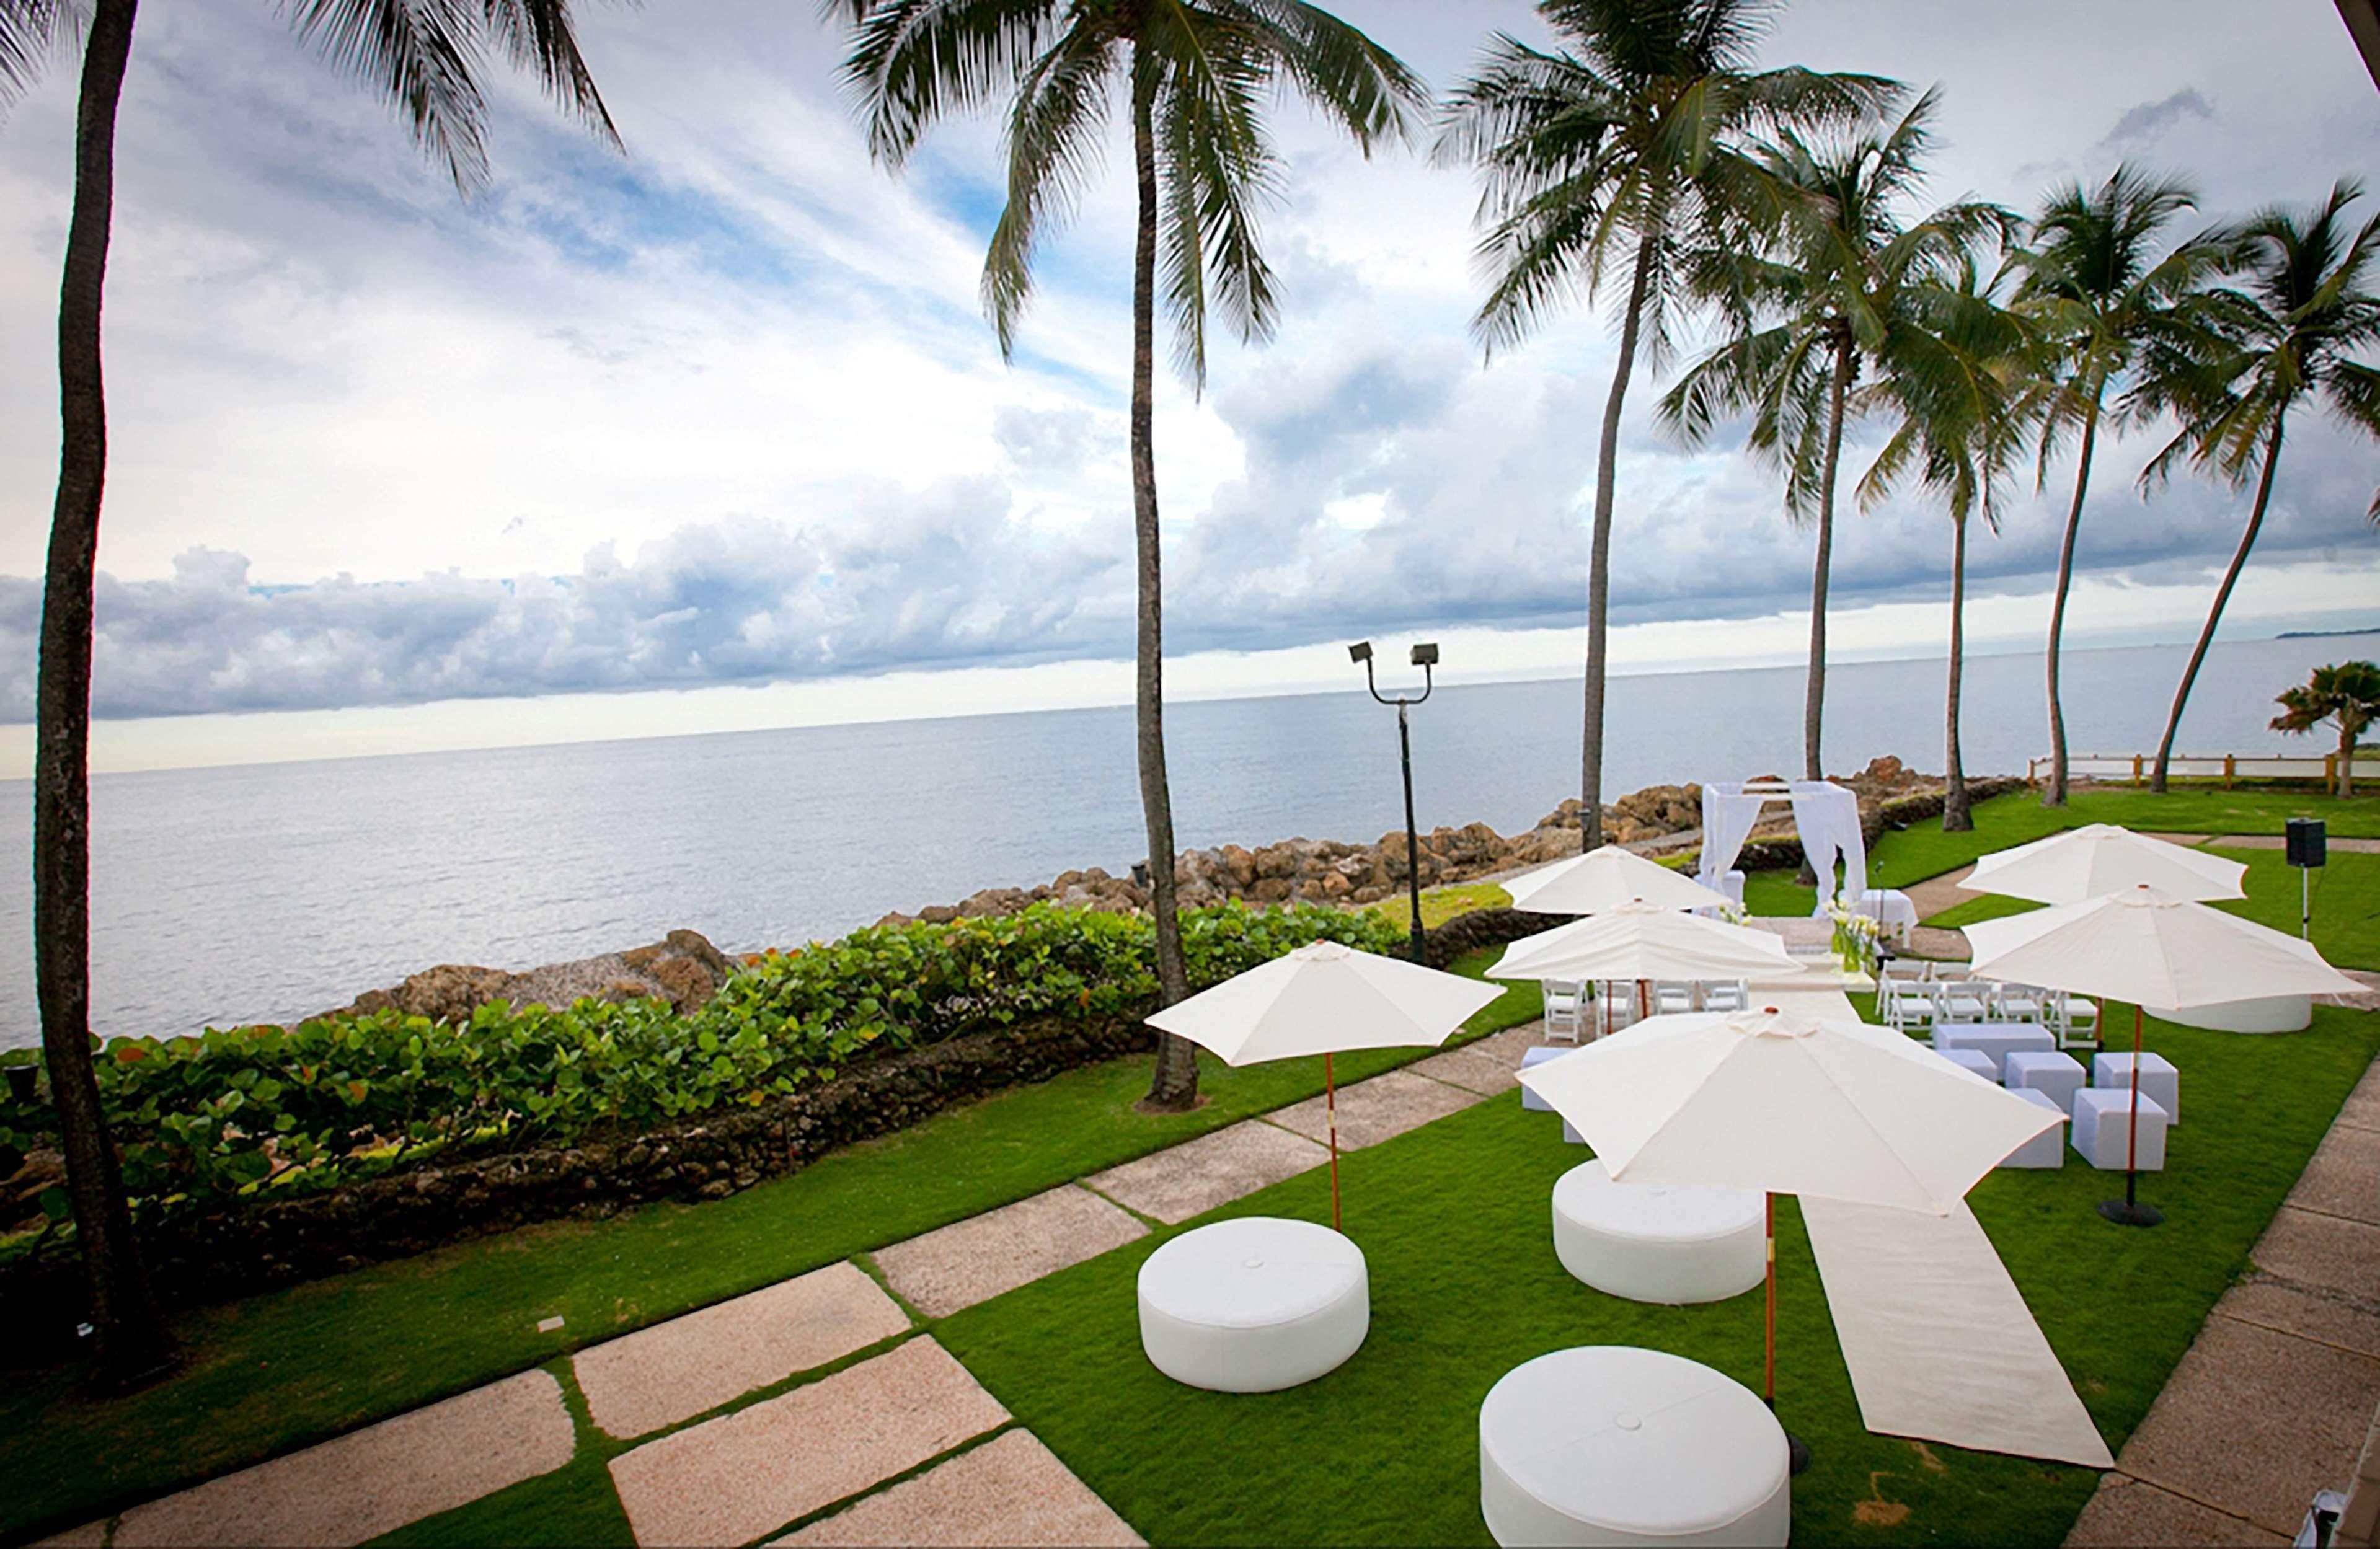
(1464, 1286)
(277, 1372)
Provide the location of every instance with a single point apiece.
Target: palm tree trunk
(2347, 735)
(1956, 819)
(131, 1339)
(2222, 596)
(1814, 705)
(1175, 1085)
(2055, 794)
(1598, 579)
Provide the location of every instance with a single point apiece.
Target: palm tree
(2348, 695)
(1811, 294)
(1196, 74)
(1618, 152)
(1952, 374)
(424, 59)
(2280, 339)
(2092, 291)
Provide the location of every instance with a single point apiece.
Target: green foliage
(206, 1121)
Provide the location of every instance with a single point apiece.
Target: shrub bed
(233, 1117)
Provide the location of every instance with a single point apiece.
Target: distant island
(2327, 634)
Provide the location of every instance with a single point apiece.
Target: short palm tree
(1952, 379)
(1614, 152)
(2347, 696)
(1812, 295)
(425, 58)
(2095, 291)
(1195, 75)
(2281, 336)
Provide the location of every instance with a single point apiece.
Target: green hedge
(204, 1122)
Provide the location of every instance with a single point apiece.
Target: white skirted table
(1610, 1445)
(1254, 1305)
(1658, 1244)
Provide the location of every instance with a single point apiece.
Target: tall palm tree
(425, 58)
(1618, 151)
(1954, 377)
(1811, 294)
(2094, 294)
(1195, 75)
(2281, 337)
(2345, 693)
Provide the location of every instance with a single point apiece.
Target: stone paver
(2321, 1250)
(955, 1266)
(2328, 1317)
(733, 1478)
(675, 1369)
(2365, 999)
(373, 1481)
(90, 1535)
(1489, 1066)
(1190, 1180)
(1937, 894)
(2343, 1178)
(2256, 1421)
(1382, 1109)
(2126, 1512)
(1012, 1490)
(2362, 1109)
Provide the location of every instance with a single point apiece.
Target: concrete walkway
(2272, 1402)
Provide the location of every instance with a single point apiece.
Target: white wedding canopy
(1325, 999)
(1825, 816)
(1786, 1103)
(1604, 879)
(2101, 858)
(1645, 941)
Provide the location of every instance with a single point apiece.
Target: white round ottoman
(1607, 1443)
(1656, 1244)
(1254, 1304)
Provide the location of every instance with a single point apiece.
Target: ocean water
(268, 891)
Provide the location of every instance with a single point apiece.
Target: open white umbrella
(1788, 1104)
(2101, 858)
(1607, 878)
(1641, 941)
(1325, 999)
(2141, 945)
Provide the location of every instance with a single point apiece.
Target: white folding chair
(1726, 995)
(1962, 1000)
(1907, 1005)
(2020, 1003)
(1565, 1011)
(1673, 995)
(2074, 1019)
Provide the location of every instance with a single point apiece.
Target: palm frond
(1054, 136)
(539, 38)
(913, 62)
(29, 31)
(419, 54)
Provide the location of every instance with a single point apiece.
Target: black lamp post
(1423, 657)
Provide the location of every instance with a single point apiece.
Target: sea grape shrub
(216, 1120)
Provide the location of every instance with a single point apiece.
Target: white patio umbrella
(1788, 1104)
(1325, 999)
(1607, 878)
(1645, 940)
(2101, 858)
(2144, 947)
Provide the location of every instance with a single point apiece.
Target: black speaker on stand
(2308, 843)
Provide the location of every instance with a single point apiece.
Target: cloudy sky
(714, 434)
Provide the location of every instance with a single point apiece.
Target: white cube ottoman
(1538, 1055)
(1608, 1444)
(2158, 1079)
(2046, 1149)
(1997, 1040)
(1658, 1244)
(2100, 1126)
(1254, 1305)
(1974, 1061)
(2058, 1076)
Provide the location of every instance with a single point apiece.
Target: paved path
(2272, 1402)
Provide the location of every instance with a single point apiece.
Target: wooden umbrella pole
(2132, 1119)
(1330, 1117)
(1768, 1382)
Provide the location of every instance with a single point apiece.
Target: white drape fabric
(1728, 816)
(1827, 816)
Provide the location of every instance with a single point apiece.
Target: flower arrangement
(1856, 935)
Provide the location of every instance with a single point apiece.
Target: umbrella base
(1797, 1454)
(2125, 1212)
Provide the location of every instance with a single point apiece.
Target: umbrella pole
(2131, 1212)
(1797, 1452)
(1330, 1117)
